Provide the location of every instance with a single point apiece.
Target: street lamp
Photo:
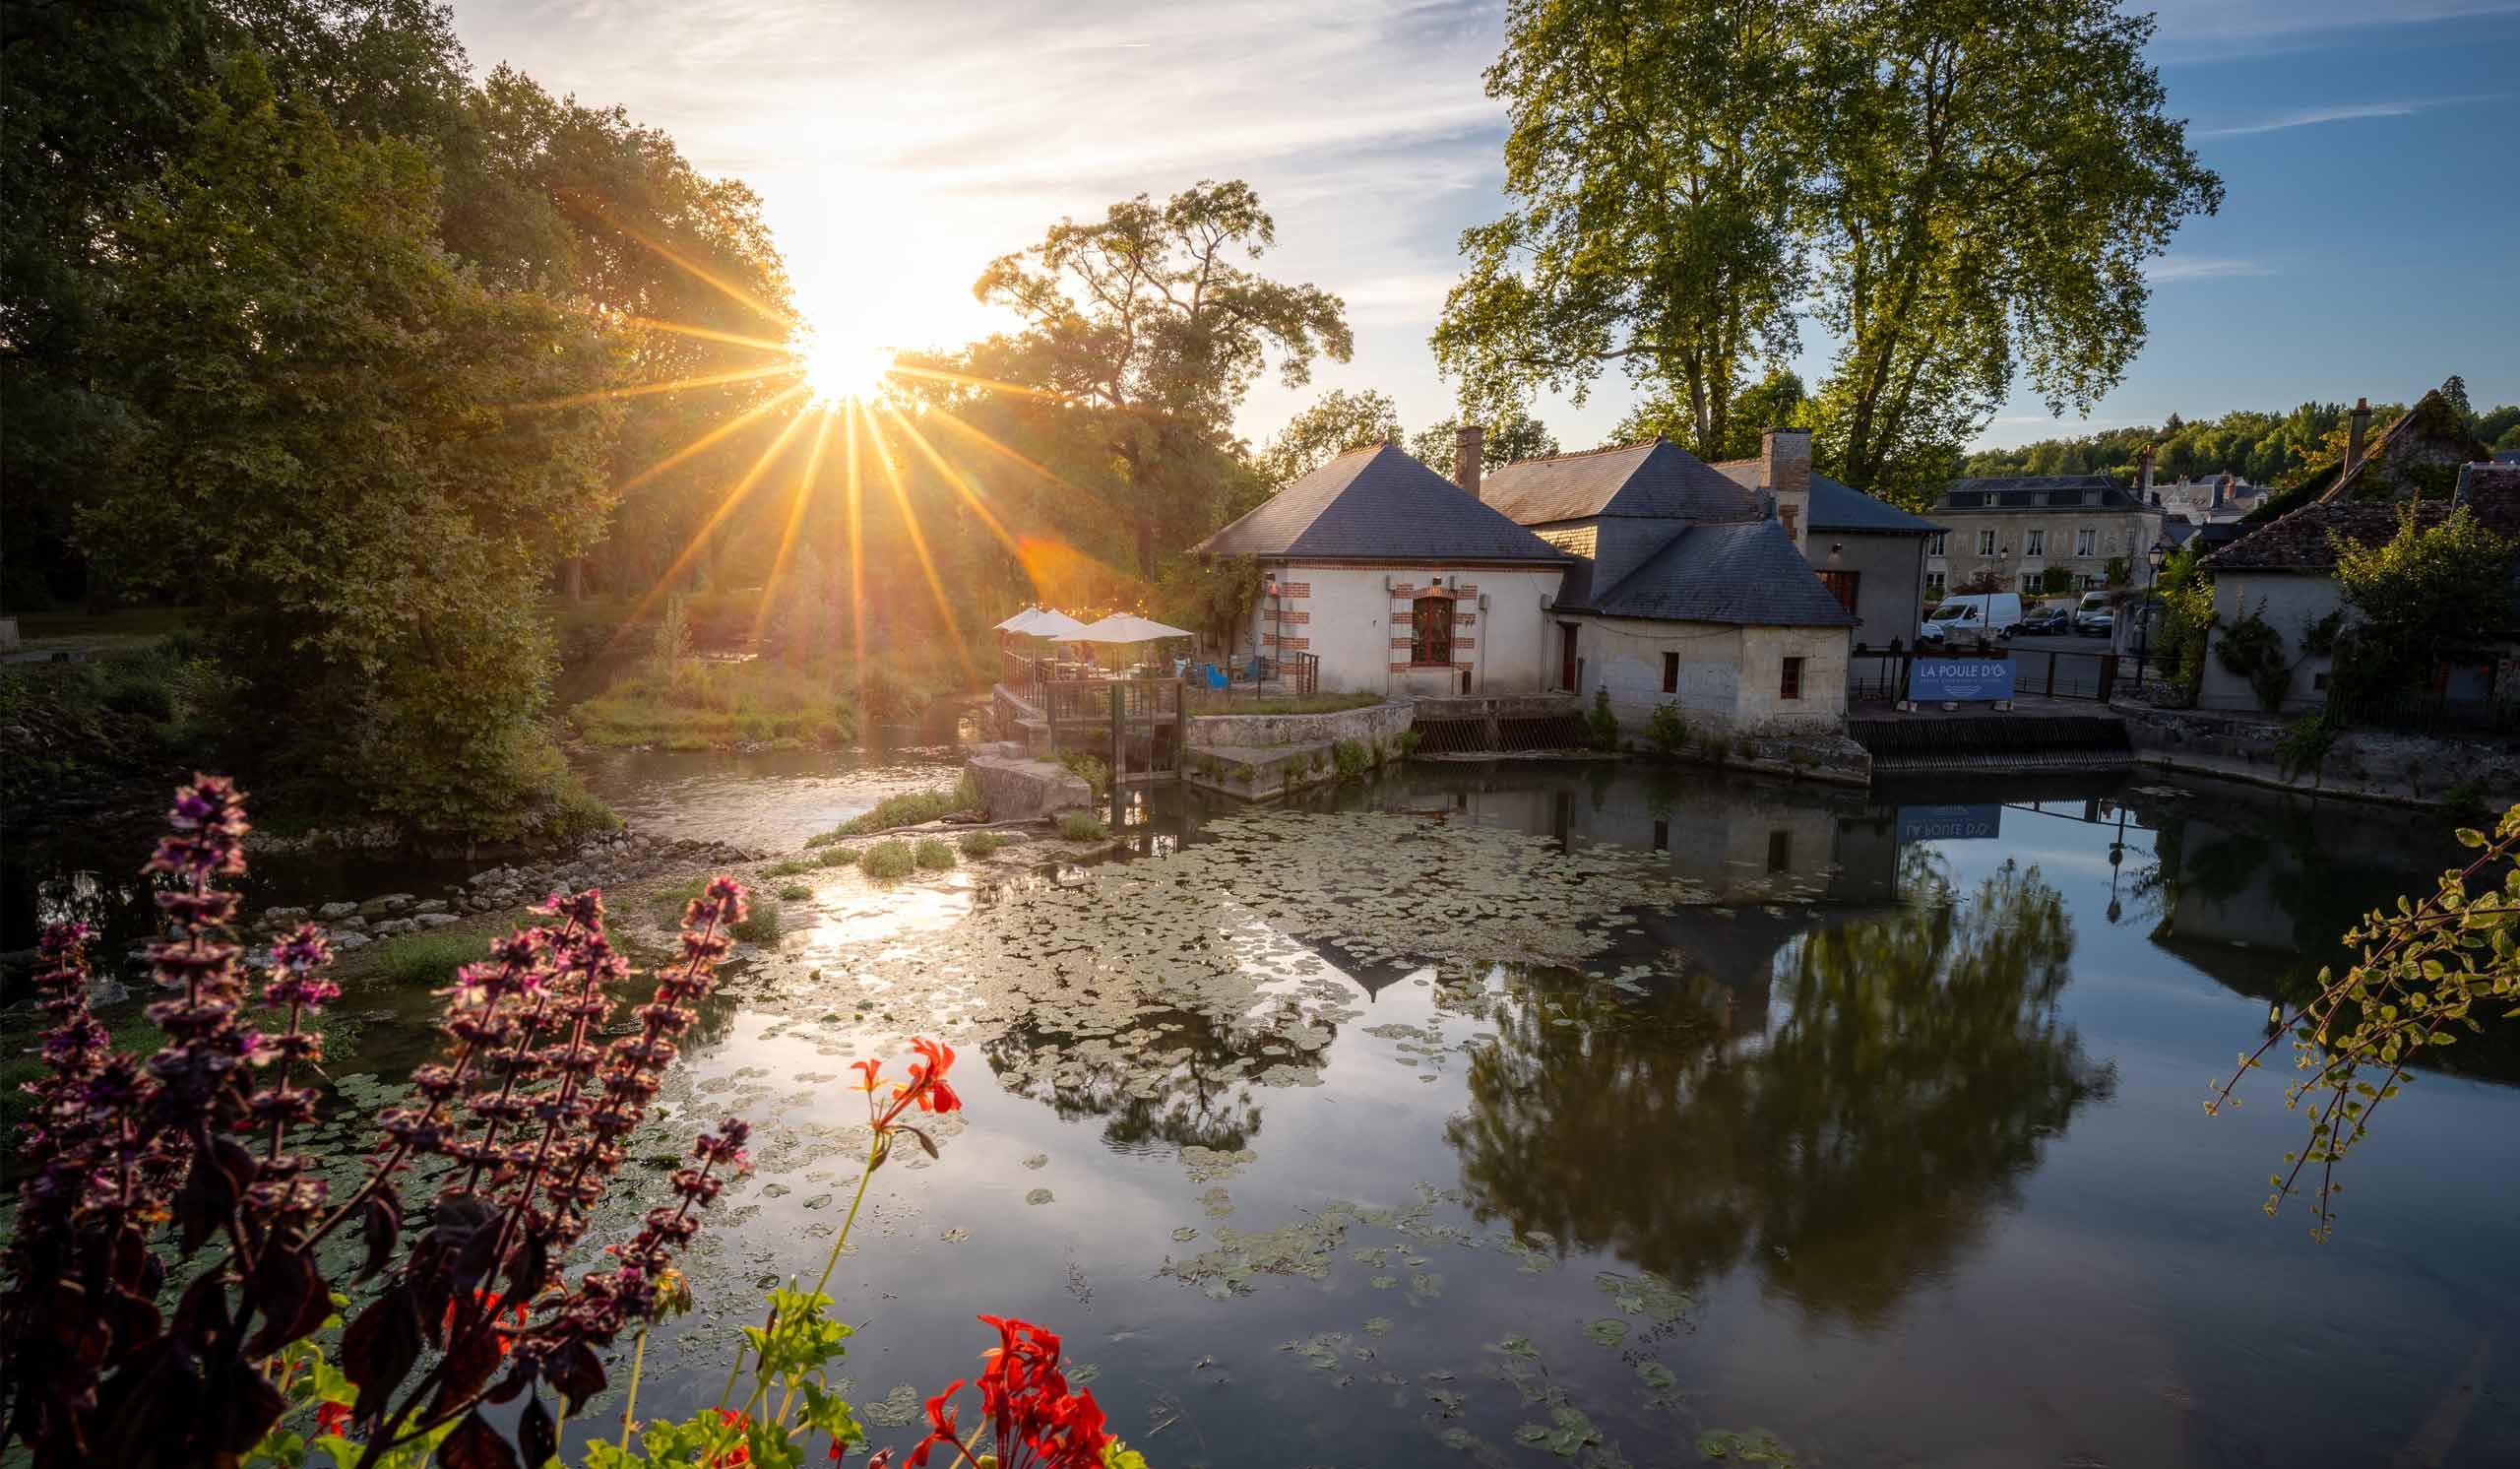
(2153, 560)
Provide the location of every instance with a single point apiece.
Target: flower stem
(638, 1361)
(822, 1287)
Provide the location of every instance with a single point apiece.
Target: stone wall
(1374, 722)
(2363, 764)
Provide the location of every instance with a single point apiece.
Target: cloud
(2303, 117)
(2202, 268)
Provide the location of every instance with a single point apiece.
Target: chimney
(2223, 489)
(2144, 474)
(1785, 462)
(1468, 446)
(2357, 424)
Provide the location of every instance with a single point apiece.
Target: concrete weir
(2083, 736)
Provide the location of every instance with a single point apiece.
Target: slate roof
(2298, 541)
(1837, 507)
(2432, 415)
(1379, 504)
(1746, 572)
(2033, 492)
(1656, 480)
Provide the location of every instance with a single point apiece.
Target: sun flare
(841, 367)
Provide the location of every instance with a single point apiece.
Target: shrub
(932, 854)
(790, 868)
(888, 860)
(835, 857)
(1083, 826)
(1090, 769)
(2252, 650)
(1667, 732)
(984, 843)
(1603, 724)
(422, 959)
(911, 808)
(2303, 747)
(1352, 758)
(795, 892)
(759, 925)
(1406, 744)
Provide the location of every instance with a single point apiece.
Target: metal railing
(2042, 672)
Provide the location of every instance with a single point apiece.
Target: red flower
(333, 1419)
(940, 1428)
(1034, 1416)
(870, 1070)
(491, 1302)
(926, 1088)
(741, 1453)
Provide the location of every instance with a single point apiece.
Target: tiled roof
(2432, 415)
(1657, 479)
(1379, 504)
(1746, 572)
(1836, 506)
(2299, 541)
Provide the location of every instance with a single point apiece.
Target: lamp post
(2153, 560)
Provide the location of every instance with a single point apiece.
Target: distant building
(2216, 497)
(2015, 531)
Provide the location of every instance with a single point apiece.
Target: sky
(2369, 244)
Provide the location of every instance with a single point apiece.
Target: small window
(1934, 543)
(2030, 581)
(1781, 850)
(2036, 544)
(1430, 633)
(1671, 673)
(1933, 584)
(1986, 543)
(1790, 686)
(2318, 683)
(2083, 540)
(1662, 836)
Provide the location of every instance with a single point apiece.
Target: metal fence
(2042, 672)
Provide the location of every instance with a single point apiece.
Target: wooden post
(1119, 741)
(2052, 672)
(1180, 727)
(2107, 676)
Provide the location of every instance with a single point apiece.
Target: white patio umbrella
(1128, 628)
(1056, 626)
(1016, 622)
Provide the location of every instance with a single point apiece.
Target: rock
(1029, 790)
(430, 905)
(431, 920)
(343, 943)
(336, 909)
(387, 928)
(278, 915)
(103, 990)
(349, 925)
(388, 903)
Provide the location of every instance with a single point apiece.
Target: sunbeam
(804, 495)
(918, 540)
(790, 368)
(954, 476)
(678, 456)
(734, 497)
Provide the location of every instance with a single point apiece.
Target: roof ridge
(1581, 454)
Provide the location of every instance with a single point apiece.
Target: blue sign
(1960, 680)
(1949, 823)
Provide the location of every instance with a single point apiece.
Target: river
(1530, 1114)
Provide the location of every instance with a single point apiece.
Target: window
(1671, 673)
(1986, 543)
(1662, 836)
(1841, 585)
(1431, 632)
(1934, 543)
(2083, 540)
(1790, 686)
(1933, 584)
(1781, 851)
(2036, 544)
(2030, 581)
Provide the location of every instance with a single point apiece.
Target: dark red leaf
(472, 1354)
(241, 1407)
(529, 1268)
(202, 1314)
(291, 1292)
(380, 1224)
(212, 1187)
(577, 1373)
(536, 1433)
(474, 1445)
(380, 1346)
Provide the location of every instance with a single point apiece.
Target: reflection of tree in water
(1851, 1149)
(1175, 1079)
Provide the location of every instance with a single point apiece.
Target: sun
(840, 366)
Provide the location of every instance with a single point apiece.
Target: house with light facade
(1639, 572)
(2007, 534)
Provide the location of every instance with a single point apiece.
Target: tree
(1148, 317)
(1337, 421)
(1513, 435)
(1654, 183)
(331, 461)
(2424, 596)
(1774, 400)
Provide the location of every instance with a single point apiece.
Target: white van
(2097, 617)
(1974, 618)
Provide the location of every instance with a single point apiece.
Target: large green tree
(1511, 435)
(1776, 401)
(1151, 319)
(1654, 162)
(329, 458)
(1333, 423)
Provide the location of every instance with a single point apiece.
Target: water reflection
(1190, 1085)
(1842, 1124)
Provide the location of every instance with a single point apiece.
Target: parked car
(2045, 620)
(2097, 617)
(1973, 618)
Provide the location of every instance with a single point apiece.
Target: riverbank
(2379, 766)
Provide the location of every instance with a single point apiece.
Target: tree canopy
(1969, 191)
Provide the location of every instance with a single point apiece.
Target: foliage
(1148, 323)
(1665, 731)
(673, 643)
(1091, 769)
(700, 704)
(758, 924)
(984, 843)
(2188, 602)
(1336, 422)
(2320, 639)
(1511, 435)
(2251, 649)
(1603, 724)
(933, 853)
(1776, 401)
(2055, 581)
(911, 808)
(1353, 757)
(2303, 749)
(1225, 701)
(1213, 597)
(1081, 826)
(2426, 594)
(795, 892)
(199, 1137)
(2426, 971)
(419, 960)
(888, 860)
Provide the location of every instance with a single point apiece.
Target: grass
(888, 860)
(759, 926)
(422, 958)
(1216, 701)
(702, 704)
(1083, 826)
(909, 809)
(932, 854)
(1091, 769)
(795, 892)
(984, 843)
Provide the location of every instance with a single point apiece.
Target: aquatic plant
(527, 1113)
(1081, 826)
(795, 892)
(888, 860)
(932, 854)
(1602, 721)
(984, 843)
(2425, 969)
